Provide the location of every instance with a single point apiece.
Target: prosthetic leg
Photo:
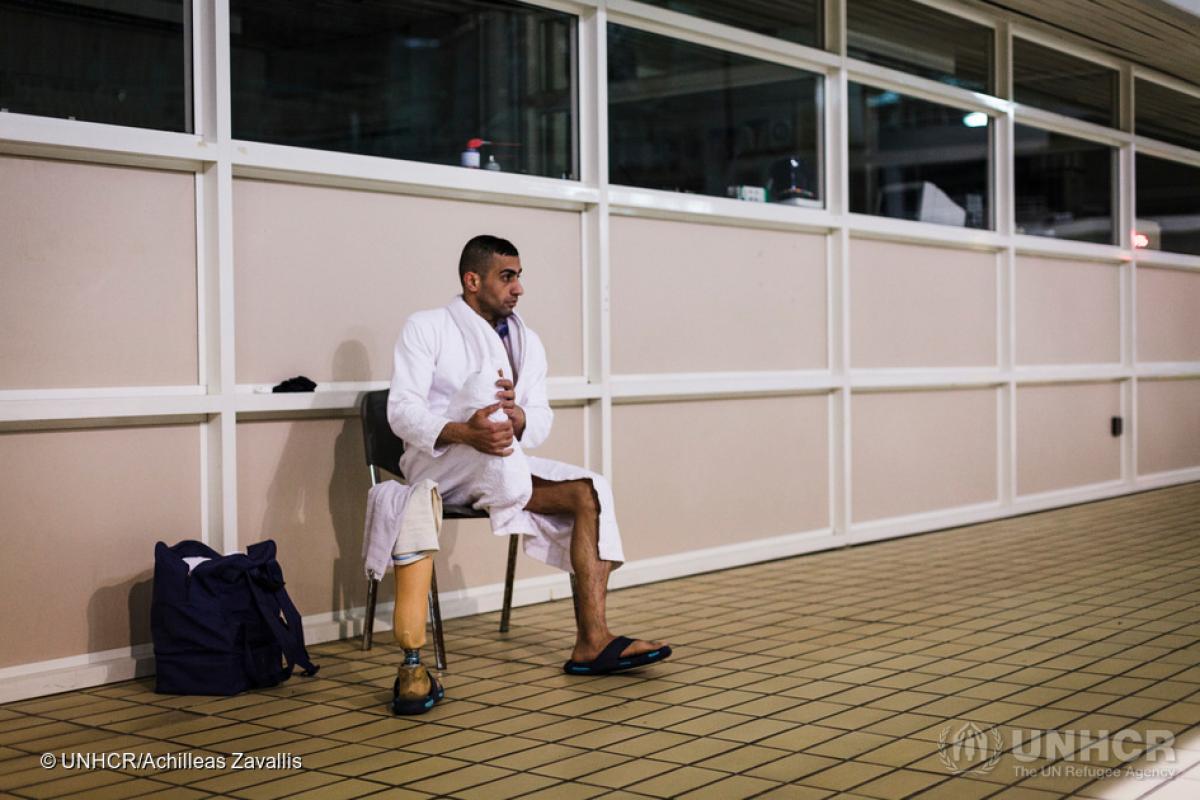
(415, 690)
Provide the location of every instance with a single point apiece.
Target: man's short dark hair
(477, 254)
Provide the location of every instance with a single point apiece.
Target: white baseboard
(75, 672)
(92, 669)
(875, 530)
(678, 565)
(1029, 503)
(1156, 480)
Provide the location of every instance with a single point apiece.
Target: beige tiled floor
(840, 673)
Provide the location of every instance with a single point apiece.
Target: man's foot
(587, 651)
(621, 653)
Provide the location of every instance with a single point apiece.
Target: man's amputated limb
(408, 625)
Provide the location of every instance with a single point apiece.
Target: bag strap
(262, 675)
(291, 636)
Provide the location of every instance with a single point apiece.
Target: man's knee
(583, 498)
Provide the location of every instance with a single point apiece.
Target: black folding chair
(383, 450)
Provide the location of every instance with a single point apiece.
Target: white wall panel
(710, 473)
(707, 298)
(1064, 436)
(915, 306)
(1168, 425)
(917, 451)
(99, 275)
(1067, 312)
(326, 277)
(1168, 314)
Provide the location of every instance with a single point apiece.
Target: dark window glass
(1064, 186)
(409, 80)
(688, 118)
(796, 21)
(1168, 205)
(1064, 84)
(124, 62)
(1166, 115)
(914, 38)
(917, 160)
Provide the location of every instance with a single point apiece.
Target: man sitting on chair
(564, 512)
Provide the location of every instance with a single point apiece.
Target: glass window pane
(796, 21)
(409, 80)
(1166, 115)
(687, 118)
(915, 38)
(1064, 84)
(121, 62)
(1168, 205)
(1064, 186)
(917, 160)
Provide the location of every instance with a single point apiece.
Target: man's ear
(471, 281)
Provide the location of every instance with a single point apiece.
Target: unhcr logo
(969, 749)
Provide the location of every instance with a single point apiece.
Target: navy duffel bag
(226, 625)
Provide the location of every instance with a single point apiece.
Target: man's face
(499, 288)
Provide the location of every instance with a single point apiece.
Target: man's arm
(413, 363)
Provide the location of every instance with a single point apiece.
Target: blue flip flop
(610, 659)
(419, 705)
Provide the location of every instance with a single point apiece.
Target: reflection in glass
(1064, 186)
(916, 160)
(1168, 205)
(1064, 84)
(418, 81)
(687, 118)
(796, 21)
(122, 62)
(1166, 115)
(911, 37)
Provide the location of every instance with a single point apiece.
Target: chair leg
(574, 596)
(509, 576)
(369, 619)
(435, 620)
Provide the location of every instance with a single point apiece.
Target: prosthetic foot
(415, 690)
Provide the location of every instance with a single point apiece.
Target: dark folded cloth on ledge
(296, 384)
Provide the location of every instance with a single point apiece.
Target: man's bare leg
(578, 498)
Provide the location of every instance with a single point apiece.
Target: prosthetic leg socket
(415, 690)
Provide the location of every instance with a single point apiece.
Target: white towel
(400, 519)
(195, 561)
(503, 483)
(482, 340)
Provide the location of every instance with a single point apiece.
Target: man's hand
(491, 438)
(507, 397)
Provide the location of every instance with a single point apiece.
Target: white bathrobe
(436, 354)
